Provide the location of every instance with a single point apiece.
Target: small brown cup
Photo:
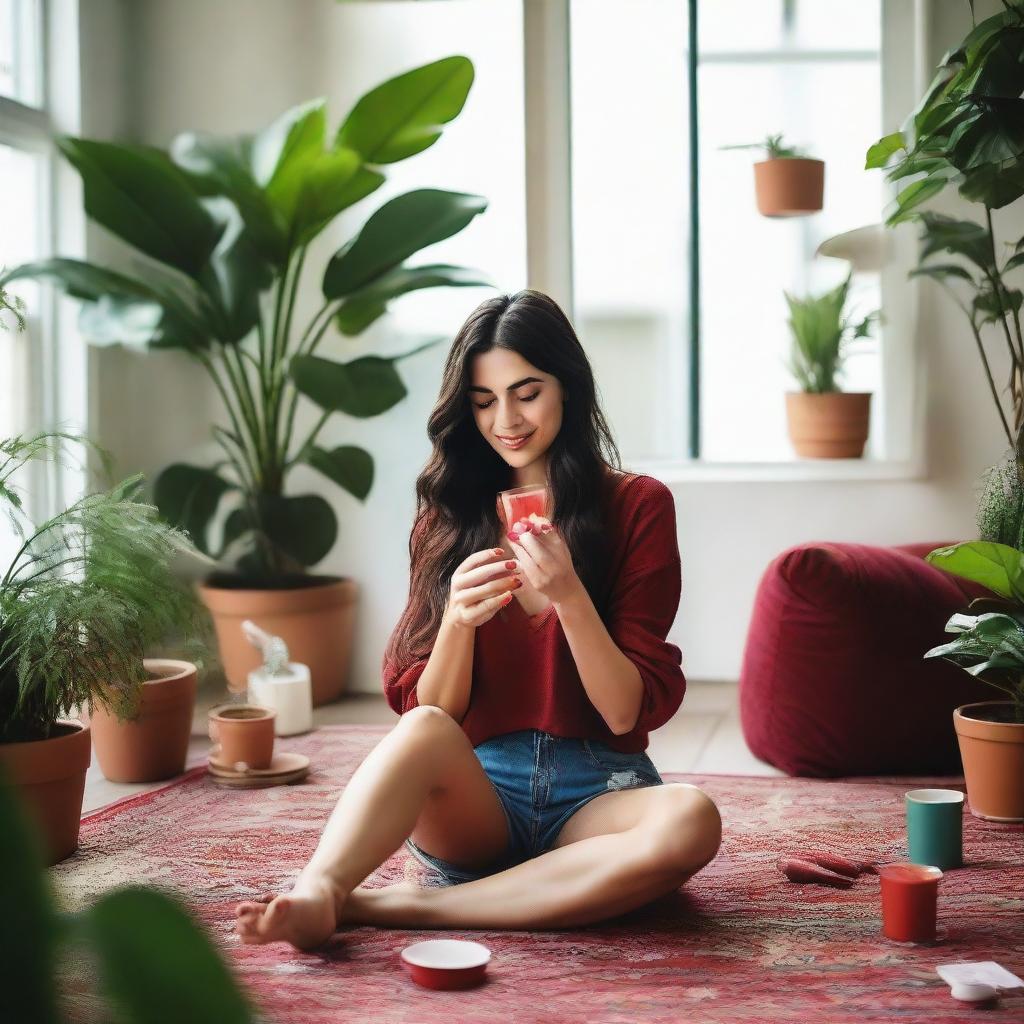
(245, 733)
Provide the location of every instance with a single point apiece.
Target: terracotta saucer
(283, 769)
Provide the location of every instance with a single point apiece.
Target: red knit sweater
(524, 675)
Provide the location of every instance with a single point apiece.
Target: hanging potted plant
(990, 645)
(787, 182)
(84, 595)
(226, 225)
(825, 422)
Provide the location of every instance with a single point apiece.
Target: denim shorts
(541, 781)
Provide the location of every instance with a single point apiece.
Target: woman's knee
(685, 829)
(429, 726)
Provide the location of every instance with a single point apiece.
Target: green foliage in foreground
(140, 948)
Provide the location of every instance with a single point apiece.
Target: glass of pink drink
(521, 502)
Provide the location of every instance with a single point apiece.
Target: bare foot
(306, 917)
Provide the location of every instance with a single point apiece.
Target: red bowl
(446, 963)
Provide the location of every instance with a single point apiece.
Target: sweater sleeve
(644, 602)
(400, 684)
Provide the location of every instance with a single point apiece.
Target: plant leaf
(400, 228)
(913, 196)
(988, 305)
(304, 526)
(187, 497)
(942, 270)
(28, 961)
(158, 964)
(404, 115)
(361, 308)
(222, 166)
(139, 195)
(363, 387)
(118, 308)
(878, 155)
(996, 566)
(963, 237)
(347, 466)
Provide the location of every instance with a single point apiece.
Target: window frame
(56, 398)
(899, 408)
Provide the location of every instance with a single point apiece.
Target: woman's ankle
(313, 880)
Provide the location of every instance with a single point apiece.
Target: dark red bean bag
(833, 680)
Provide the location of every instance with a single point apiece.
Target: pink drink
(520, 502)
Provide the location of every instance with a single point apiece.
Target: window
(661, 213)
(41, 369)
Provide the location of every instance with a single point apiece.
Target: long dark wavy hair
(456, 511)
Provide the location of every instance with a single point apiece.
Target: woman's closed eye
(525, 398)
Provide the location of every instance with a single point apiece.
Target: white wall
(231, 65)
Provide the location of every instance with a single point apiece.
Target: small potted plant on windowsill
(825, 422)
(84, 595)
(226, 226)
(990, 645)
(787, 183)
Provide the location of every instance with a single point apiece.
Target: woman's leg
(676, 830)
(422, 776)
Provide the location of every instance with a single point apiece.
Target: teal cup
(935, 820)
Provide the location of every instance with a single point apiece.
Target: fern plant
(87, 591)
(821, 334)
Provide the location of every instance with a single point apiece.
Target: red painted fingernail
(510, 565)
(546, 529)
(514, 537)
(508, 597)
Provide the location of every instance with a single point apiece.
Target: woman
(528, 668)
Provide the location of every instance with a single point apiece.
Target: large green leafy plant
(821, 336)
(139, 947)
(968, 133)
(86, 593)
(226, 225)
(990, 637)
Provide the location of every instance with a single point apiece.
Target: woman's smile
(517, 441)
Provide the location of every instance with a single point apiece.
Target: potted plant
(787, 182)
(147, 956)
(83, 596)
(825, 422)
(226, 226)
(990, 645)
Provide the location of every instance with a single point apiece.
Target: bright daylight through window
(677, 384)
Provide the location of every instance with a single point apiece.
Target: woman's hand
(546, 561)
(481, 585)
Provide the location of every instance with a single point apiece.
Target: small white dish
(446, 963)
(968, 992)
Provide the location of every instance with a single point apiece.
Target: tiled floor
(704, 736)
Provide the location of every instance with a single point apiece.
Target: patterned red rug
(737, 943)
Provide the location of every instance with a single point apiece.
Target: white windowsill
(686, 471)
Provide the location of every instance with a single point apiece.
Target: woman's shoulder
(631, 492)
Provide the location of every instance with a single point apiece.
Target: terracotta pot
(50, 776)
(315, 622)
(833, 425)
(245, 733)
(152, 745)
(993, 756)
(789, 186)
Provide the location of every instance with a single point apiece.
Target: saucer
(283, 769)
